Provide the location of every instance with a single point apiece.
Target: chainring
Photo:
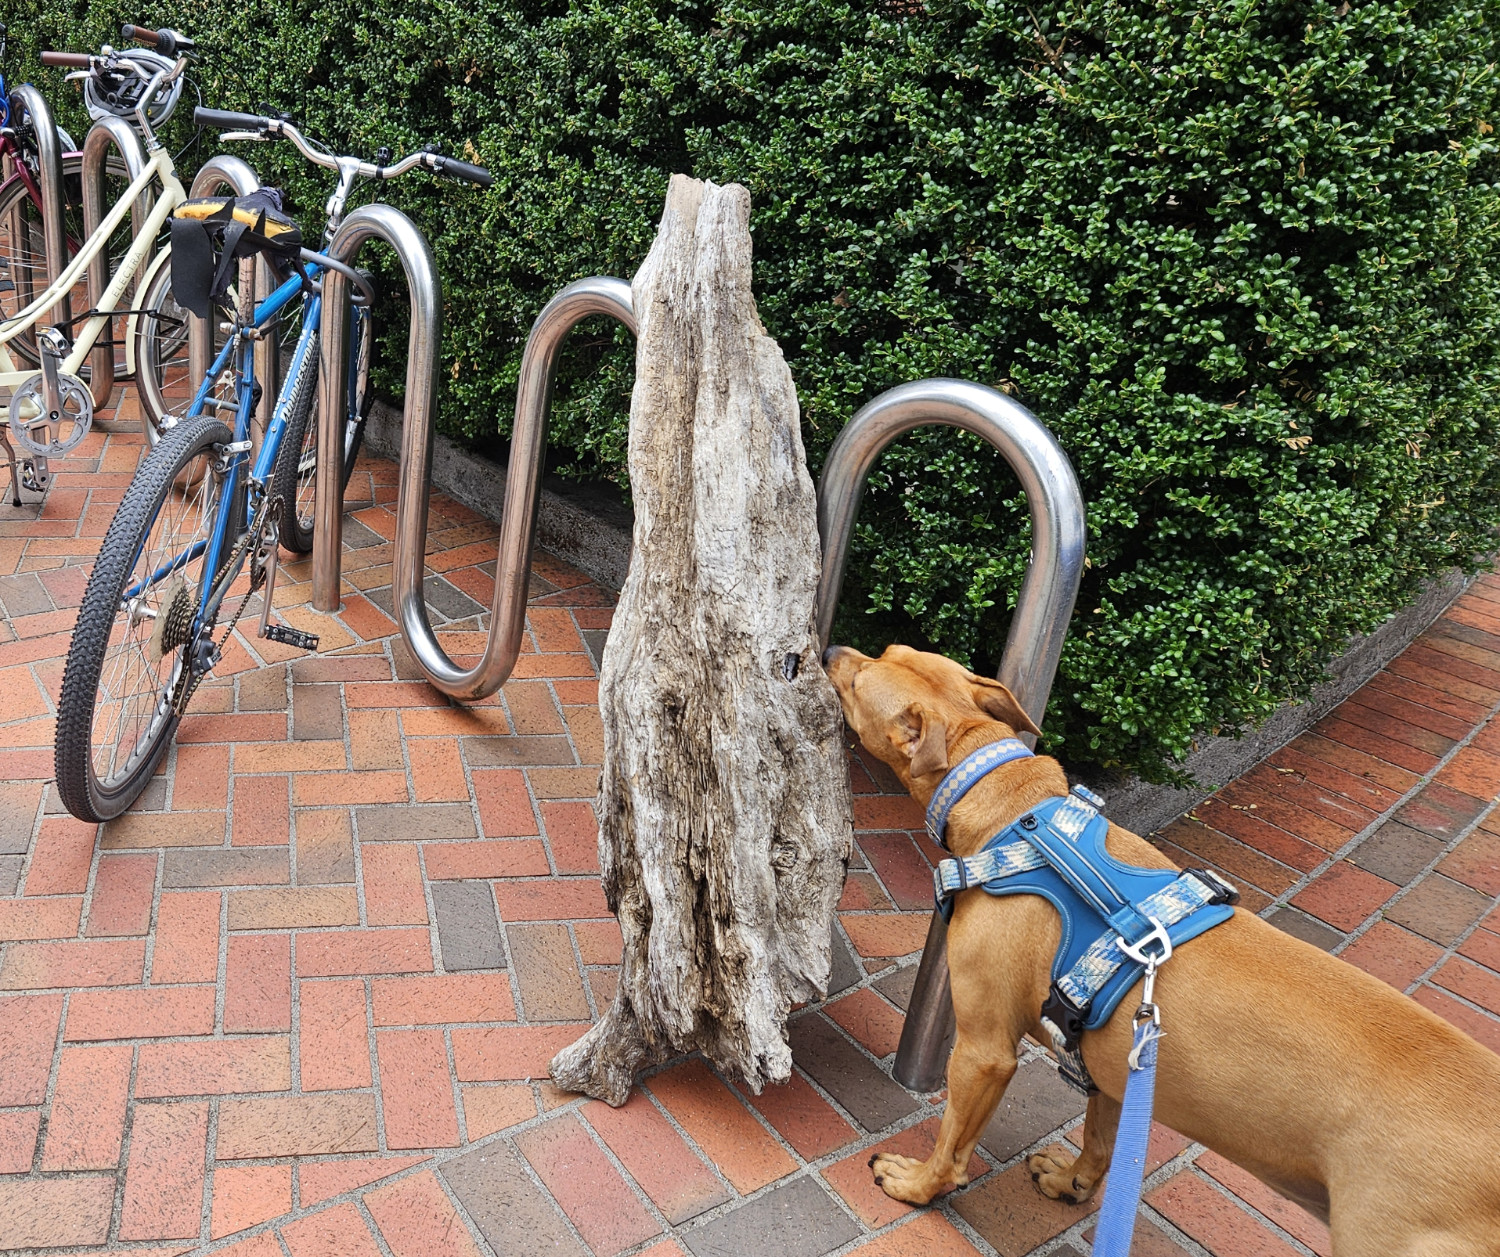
(32, 427)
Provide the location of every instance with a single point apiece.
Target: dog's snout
(831, 653)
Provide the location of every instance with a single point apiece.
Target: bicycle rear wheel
(296, 474)
(115, 714)
(162, 378)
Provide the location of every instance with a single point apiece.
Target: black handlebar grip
(225, 120)
(79, 60)
(456, 169)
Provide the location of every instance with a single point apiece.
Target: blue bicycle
(196, 536)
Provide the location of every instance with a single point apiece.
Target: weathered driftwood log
(723, 805)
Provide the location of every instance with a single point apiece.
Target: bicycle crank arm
(269, 557)
(50, 412)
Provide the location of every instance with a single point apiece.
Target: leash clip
(1137, 950)
(1148, 1011)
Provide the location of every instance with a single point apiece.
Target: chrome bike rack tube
(577, 301)
(1037, 629)
(388, 224)
(232, 173)
(105, 134)
(49, 159)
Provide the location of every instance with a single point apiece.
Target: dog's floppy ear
(922, 736)
(997, 701)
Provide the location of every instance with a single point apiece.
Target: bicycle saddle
(209, 233)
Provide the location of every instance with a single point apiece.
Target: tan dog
(1322, 1081)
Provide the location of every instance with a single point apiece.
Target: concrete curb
(583, 527)
(592, 531)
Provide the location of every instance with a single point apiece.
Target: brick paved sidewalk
(301, 1000)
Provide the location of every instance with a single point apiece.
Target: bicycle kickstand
(15, 471)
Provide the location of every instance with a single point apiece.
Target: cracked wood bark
(724, 809)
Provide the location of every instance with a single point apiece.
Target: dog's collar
(962, 778)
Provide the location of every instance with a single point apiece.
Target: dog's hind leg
(978, 1073)
(1073, 1179)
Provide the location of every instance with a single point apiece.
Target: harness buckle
(1224, 891)
(1137, 950)
(1063, 1018)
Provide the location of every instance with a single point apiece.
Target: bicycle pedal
(290, 636)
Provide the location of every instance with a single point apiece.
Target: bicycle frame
(242, 348)
(158, 168)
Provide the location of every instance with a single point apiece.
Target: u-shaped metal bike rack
(108, 133)
(1037, 629)
(1043, 606)
(523, 478)
(49, 160)
(388, 224)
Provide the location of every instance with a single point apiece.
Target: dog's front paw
(906, 1178)
(1052, 1172)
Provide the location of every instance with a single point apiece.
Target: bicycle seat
(209, 233)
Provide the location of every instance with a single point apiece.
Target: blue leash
(1127, 1171)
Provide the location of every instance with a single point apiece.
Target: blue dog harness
(1115, 917)
(1119, 924)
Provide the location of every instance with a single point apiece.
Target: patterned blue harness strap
(1113, 914)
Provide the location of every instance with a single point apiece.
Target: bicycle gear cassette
(50, 431)
(173, 625)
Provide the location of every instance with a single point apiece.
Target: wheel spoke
(130, 704)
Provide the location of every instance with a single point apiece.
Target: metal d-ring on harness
(1120, 922)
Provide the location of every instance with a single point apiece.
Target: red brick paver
(305, 993)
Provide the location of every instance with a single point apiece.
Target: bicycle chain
(193, 675)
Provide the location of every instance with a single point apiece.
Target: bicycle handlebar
(227, 120)
(166, 41)
(456, 169)
(78, 60)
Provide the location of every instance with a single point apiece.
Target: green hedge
(1240, 256)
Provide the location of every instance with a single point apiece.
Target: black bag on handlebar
(210, 233)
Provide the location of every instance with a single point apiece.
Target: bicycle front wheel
(23, 253)
(115, 714)
(163, 380)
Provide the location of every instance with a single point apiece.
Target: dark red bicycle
(23, 261)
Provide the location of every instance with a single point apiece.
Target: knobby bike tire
(292, 459)
(296, 534)
(77, 782)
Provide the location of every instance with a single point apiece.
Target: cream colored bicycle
(48, 412)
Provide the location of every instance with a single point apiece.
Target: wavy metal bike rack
(49, 161)
(108, 133)
(1037, 629)
(523, 479)
(215, 175)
